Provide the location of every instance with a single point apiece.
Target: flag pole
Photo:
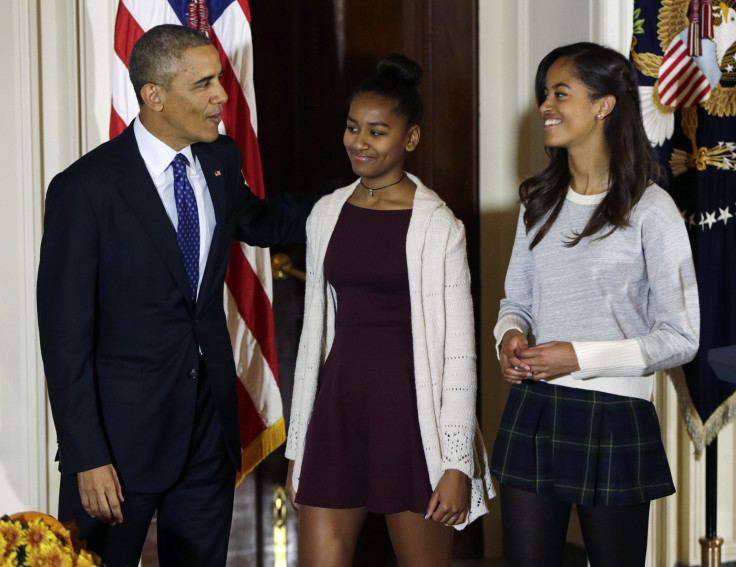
(710, 545)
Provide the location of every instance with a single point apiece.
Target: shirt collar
(157, 155)
(581, 199)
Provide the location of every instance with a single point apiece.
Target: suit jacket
(120, 337)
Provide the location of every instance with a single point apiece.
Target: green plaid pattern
(586, 447)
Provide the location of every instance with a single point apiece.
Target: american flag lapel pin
(218, 173)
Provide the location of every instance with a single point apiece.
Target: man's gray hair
(157, 55)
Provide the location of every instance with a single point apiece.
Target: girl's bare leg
(327, 536)
(418, 542)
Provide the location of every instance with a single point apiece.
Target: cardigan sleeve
(459, 380)
(295, 420)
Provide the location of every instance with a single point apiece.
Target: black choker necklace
(379, 188)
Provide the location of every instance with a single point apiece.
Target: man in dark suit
(133, 333)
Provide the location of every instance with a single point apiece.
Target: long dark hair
(632, 163)
(397, 79)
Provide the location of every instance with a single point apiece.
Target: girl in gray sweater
(600, 293)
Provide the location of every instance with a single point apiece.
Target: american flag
(248, 285)
(690, 107)
(681, 82)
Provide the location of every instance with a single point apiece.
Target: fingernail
(426, 516)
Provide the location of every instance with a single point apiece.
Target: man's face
(192, 104)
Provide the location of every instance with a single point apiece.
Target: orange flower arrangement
(37, 540)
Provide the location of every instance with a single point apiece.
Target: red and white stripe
(706, 19)
(681, 82)
(248, 286)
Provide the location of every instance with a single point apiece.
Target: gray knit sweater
(628, 303)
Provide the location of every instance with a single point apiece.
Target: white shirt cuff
(608, 358)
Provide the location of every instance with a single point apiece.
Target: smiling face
(190, 109)
(376, 139)
(570, 116)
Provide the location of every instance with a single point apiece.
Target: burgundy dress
(363, 446)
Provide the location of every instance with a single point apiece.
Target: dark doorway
(308, 58)
(309, 55)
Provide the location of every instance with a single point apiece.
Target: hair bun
(396, 80)
(398, 66)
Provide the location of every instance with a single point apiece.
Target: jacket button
(193, 374)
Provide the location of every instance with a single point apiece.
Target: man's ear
(153, 97)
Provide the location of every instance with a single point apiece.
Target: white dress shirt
(158, 157)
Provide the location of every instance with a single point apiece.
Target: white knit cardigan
(443, 340)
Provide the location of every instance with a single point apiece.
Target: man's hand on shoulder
(101, 494)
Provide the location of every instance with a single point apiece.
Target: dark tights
(535, 528)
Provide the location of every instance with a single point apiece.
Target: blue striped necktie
(187, 230)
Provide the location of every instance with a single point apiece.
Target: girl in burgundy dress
(383, 415)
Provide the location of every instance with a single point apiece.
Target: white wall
(513, 38)
(22, 405)
(49, 122)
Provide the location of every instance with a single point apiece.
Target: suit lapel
(138, 190)
(214, 174)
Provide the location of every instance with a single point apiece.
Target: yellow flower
(34, 557)
(33, 539)
(85, 559)
(10, 560)
(91, 556)
(54, 555)
(38, 533)
(63, 533)
(13, 535)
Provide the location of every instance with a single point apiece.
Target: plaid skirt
(586, 447)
